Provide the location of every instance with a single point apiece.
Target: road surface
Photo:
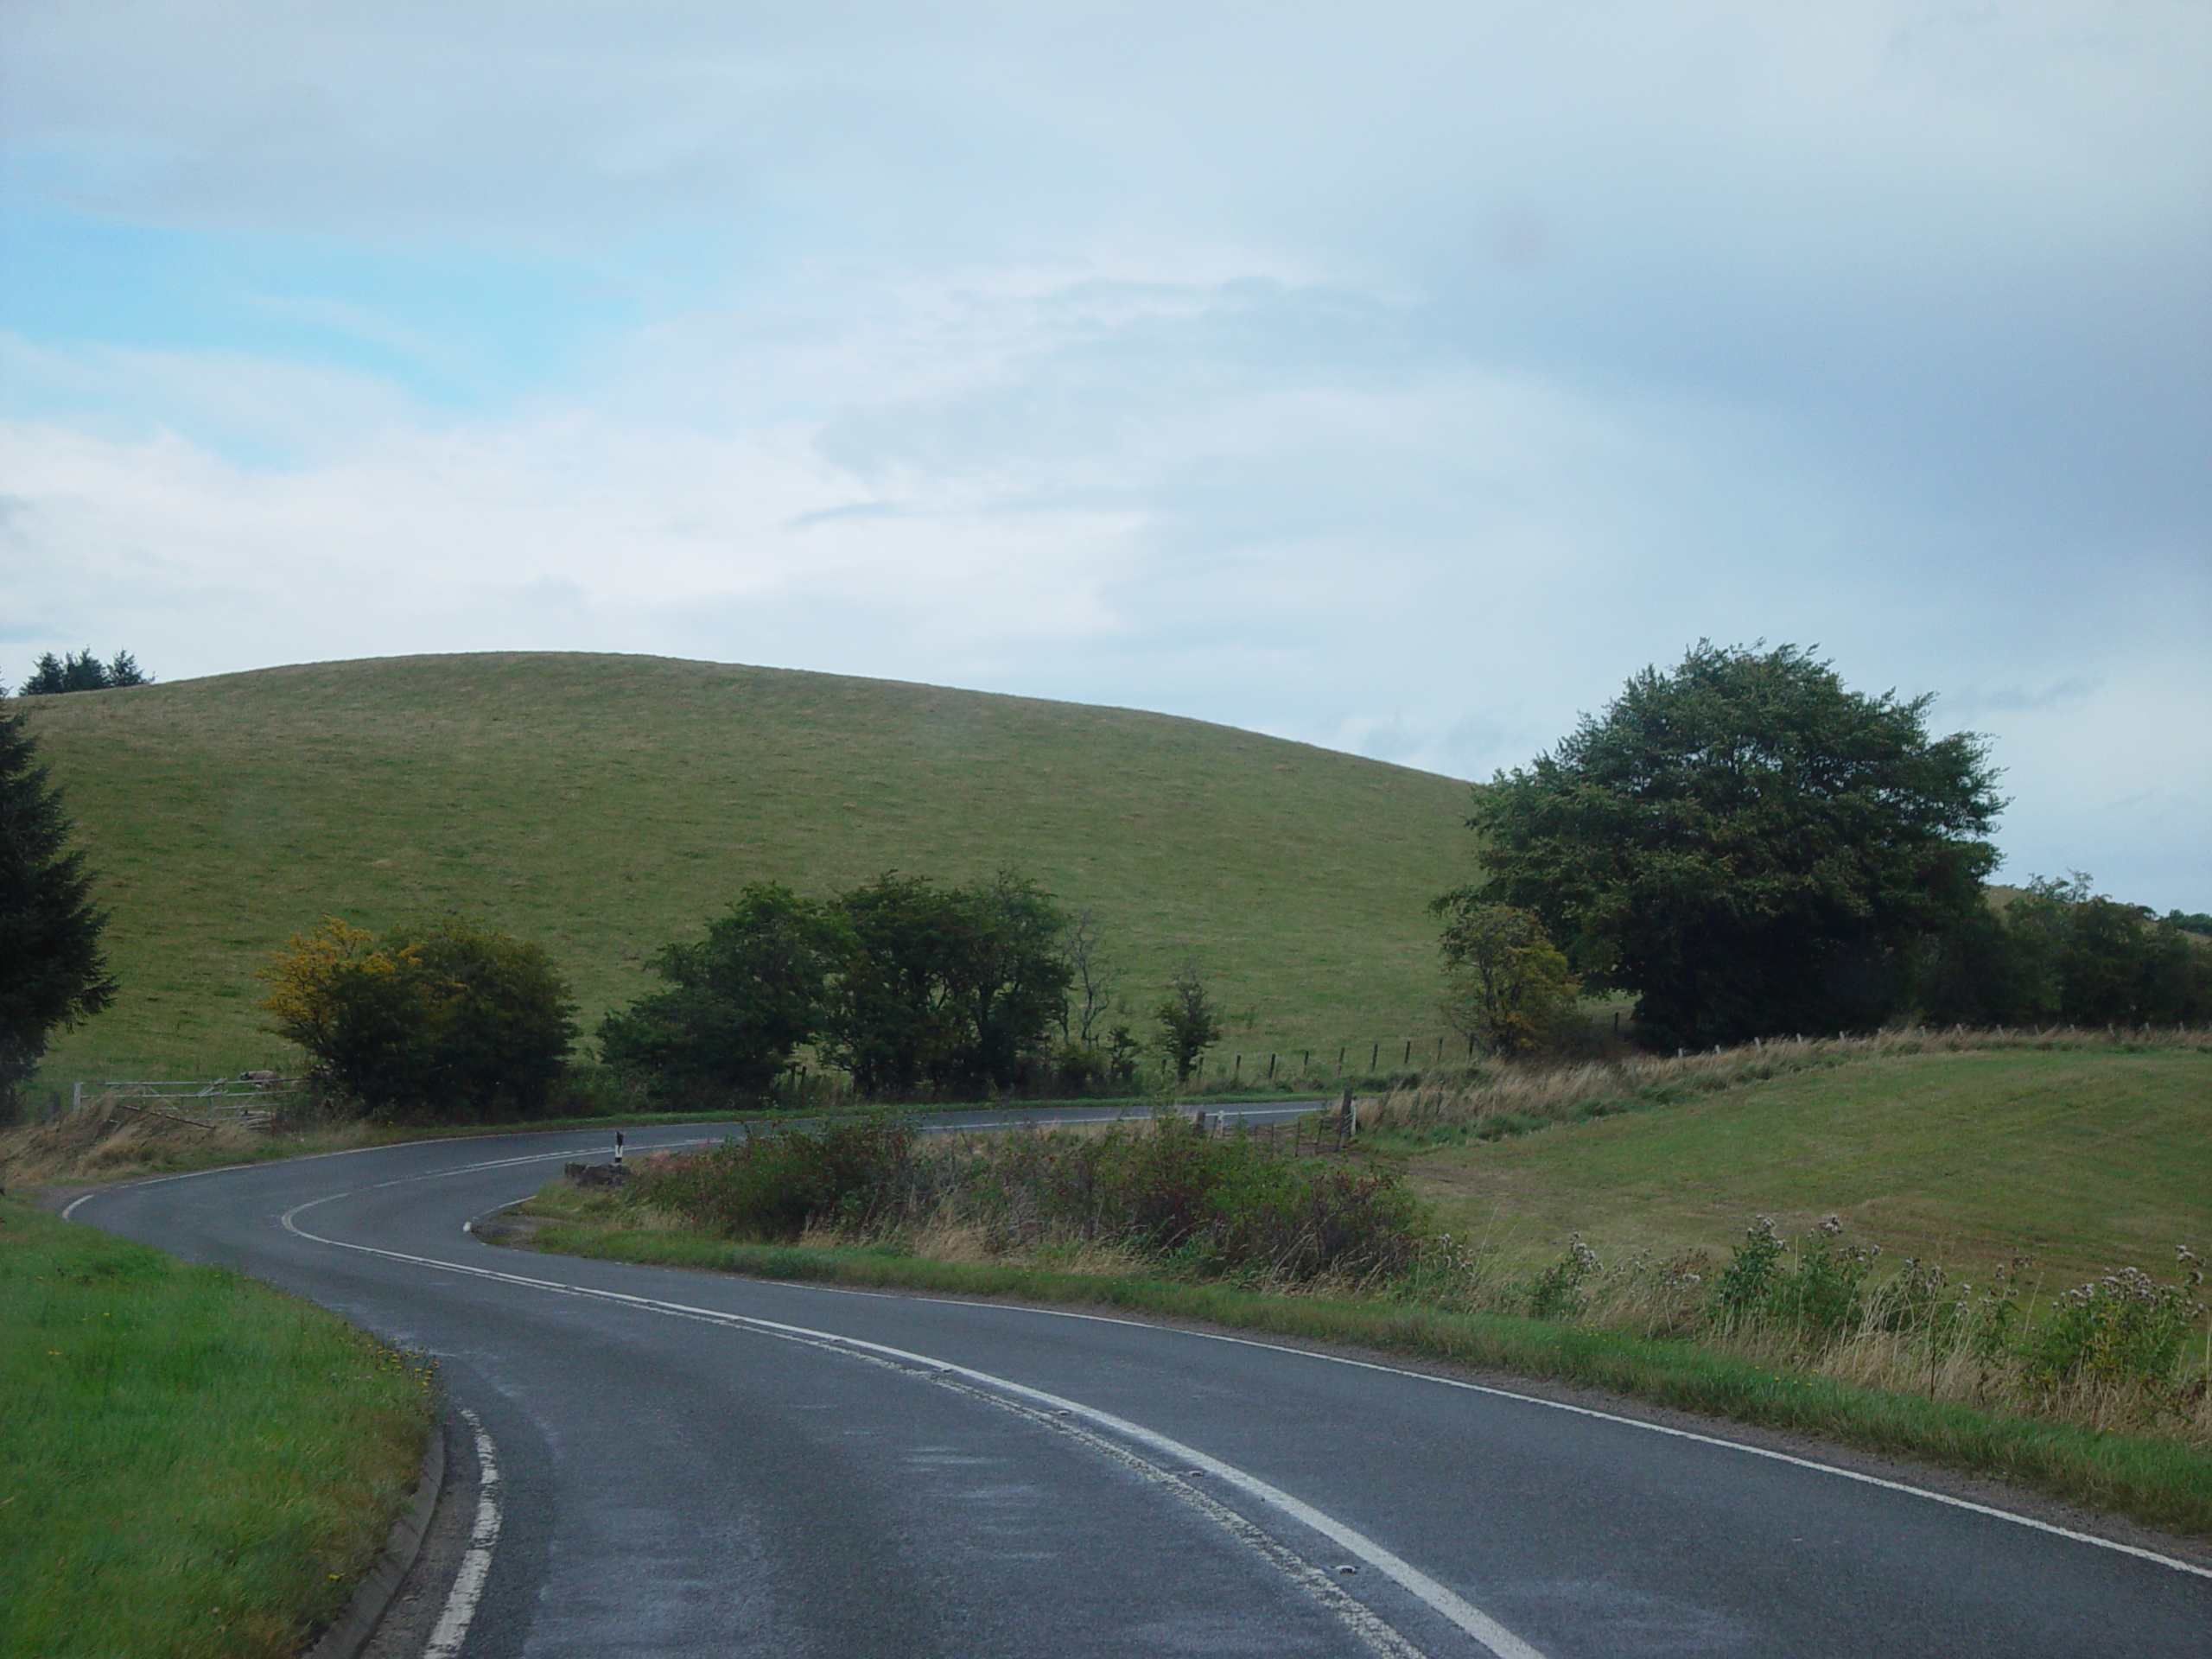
(688, 1464)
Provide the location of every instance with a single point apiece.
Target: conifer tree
(52, 971)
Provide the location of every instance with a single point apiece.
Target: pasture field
(191, 1464)
(2083, 1158)
(602, 805)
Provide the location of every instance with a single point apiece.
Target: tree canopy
(738, 1001)
(910, 986)
(52, 971)
(1745, 844)
(944, 987)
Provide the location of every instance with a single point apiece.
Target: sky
(1396, 377)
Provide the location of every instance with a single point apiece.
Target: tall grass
(2122, 1351)
(191, 1464)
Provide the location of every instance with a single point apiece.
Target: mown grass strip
(191, 1463)
(2152, 1480)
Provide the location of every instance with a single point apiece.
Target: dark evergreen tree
(80, 670)
(52, 971)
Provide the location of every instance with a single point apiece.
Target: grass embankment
(190, 1462)
(2084, 1153)
(603, 805)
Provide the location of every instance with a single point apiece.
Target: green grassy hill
(2085, 1158)
(602, 805)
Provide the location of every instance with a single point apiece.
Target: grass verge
(2083, 1155)
(191, 1463)
(2147, 1479)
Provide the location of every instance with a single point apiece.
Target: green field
(2086, 1159)
(602, 805)
(191, 1464)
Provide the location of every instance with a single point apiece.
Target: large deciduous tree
(52, 971)
(944, 988)
(1745, 844)
(740, 1002)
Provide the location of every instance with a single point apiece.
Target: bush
(771, 1186)
(442, 1018)
(1212, 1206)
(1819, 1291)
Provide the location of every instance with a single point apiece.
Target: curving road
(693, 1464)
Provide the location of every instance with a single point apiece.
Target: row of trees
(2062, 953)
(1750, 847)
(909, 986)
(80, 670)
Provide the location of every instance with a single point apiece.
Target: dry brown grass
(105, 1140)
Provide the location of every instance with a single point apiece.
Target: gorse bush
(441, 1017)
(1212, 1206)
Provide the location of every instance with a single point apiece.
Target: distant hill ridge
(602, 804)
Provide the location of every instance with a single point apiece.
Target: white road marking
(1379, 1635)
(452, 1628)
(1604, 1416)
(1444, 1601)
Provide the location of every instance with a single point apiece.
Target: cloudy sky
(1396, 377)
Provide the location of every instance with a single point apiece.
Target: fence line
(248, 1099)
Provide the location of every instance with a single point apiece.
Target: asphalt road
(695, 1465)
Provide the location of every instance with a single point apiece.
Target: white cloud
(1400, 379)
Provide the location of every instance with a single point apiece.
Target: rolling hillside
(604, 805)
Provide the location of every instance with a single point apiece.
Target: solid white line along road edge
(452, 1628)
(1440, 1598)
(1590, 1411)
